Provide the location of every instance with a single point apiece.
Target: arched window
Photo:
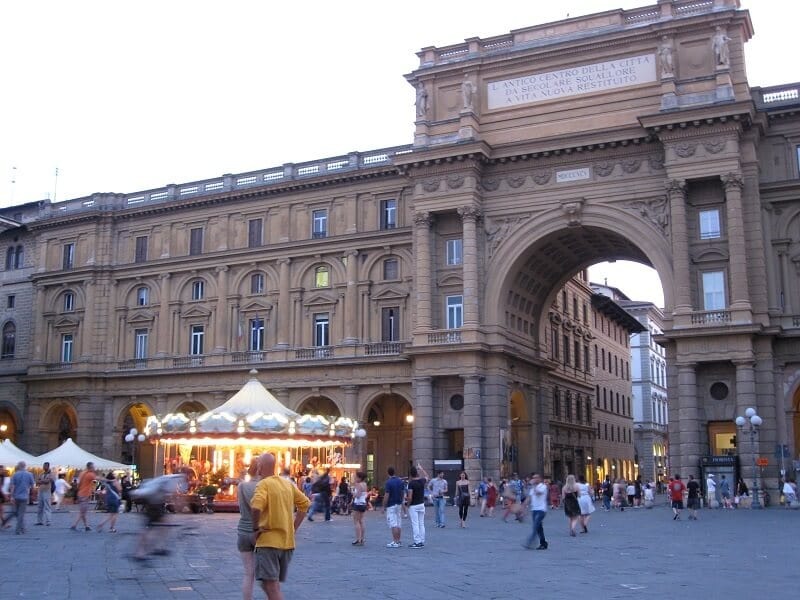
(9, 340)
(321, 277)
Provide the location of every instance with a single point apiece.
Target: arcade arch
(388, 442)
(140, 453)
(60, 423)
(9, 423)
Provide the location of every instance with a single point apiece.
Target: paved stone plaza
(726, 554)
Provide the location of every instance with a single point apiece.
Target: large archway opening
(130, 446)
(60, 423)
(389, 423)
(9, 426)
(591, 413)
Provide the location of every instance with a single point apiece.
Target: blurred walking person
(22, 483)
(537, 496)
(86, 484)
(676, 489)
(113, 501)
(44, 487)
(62, 487)
(569, 496)
(585, 502)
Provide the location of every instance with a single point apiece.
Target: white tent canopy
(10, 455)
(252, 398)
(70, 455)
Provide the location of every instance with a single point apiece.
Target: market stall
(10, 455)
(220, 444)
(71, 456)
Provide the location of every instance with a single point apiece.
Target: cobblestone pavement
(725, 554)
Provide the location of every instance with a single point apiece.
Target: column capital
(423, 219)
(732, 181)
(222, 269)
(742, 363)
(165, 275)
(470, 213)
(676, 187)
(349, 253)
(472, 378)
(283, 261)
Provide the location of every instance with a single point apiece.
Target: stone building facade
(411, 286)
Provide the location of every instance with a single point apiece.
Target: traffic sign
(762, 461)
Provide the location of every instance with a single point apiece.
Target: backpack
(482, 488)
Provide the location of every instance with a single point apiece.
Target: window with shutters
(141, 249)
(196, 241)
(255, 228)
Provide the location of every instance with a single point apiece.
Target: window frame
(67, 347)
(255, 233)
(319, 280)
(140, 340)
(198, 289)
(454, 306)
(454, 252)
(68, 305)
(319, 223)
(140, 249)
(322, 330)
(390, 324)
(258, 283)
(8, 346)
(387, 276)
(197, 334)
(706, 230)
(256, 330)
(721, 294)
(196, 241)
(388, 213)
(68, 256)
(142, 296)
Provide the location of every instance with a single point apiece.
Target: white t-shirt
(62, 486)
(538, 494)
(711, 485)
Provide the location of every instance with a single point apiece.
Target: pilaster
(422, 434)
(470, 215)
(473, 426)
(422, 270)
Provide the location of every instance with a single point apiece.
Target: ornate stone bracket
(572, 210)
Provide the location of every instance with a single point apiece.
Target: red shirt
(676, 490)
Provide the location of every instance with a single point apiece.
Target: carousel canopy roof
(252, 413)
(10, 455)
(69, 454)
(252, 398)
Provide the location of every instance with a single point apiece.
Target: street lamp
(134, 436)
(749, 423)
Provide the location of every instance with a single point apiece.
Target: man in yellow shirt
(274, 525)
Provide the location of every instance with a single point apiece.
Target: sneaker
(542, 547)
(87, 528)
(416, 545)
(394, 545)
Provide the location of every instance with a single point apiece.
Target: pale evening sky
(127, 96)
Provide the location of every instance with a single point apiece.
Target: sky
(128, 96)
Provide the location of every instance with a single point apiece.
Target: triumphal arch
(620, 135)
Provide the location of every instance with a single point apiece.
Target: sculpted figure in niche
(665, 56)
(719, 43)
(468, 93)
(422, 100)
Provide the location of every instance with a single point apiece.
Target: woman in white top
(585, 502)
(789, 493)
(359, 507)
(62, 487)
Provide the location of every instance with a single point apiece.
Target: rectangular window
(141, 249)
(321, 330)
(142, 296)
(197, 342)
(577, 355)
(11, 301)
(554, 343)
(585, 313)
(319, 224)
(567, 359)
(455, 312)
(256, 342)
(709, 224)
(69, 301)
(575, 308)
(388, 214)
(196, 241)
(255, 228)
(568, 406)
(713, 290)
(557, 403)
(391, 269)
(69, 256)
(390, 324)
(586, 359)
(198, 289)
(257, 283)
(67, 342)
(140, 343)
(455, 251)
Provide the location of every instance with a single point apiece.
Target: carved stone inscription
(574, 81)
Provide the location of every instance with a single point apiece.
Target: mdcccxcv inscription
(612, 74)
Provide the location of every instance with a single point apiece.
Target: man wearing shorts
(86, 485)
(676, 489)
(692, 497)
(274, 525)
(393, 506)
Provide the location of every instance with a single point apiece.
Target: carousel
(216, 448)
